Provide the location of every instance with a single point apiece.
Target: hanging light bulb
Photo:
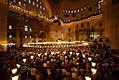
(55, 18)
(52, 53)
(14, 71)
(45, 53)
(15, 77)
(18, 65)
(93, 71)
(77, 54)
(83, 55)
(58, 52)
(64, 52)
(93, 64)
(32, 57)
(89, 58)
(39, 55)
(71, 53)
(24, 60)
(85, 44)
(87, 78)
(65, 57)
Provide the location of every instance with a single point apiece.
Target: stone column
(3, 24)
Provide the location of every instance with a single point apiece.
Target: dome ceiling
(64, 9)
(73, 9)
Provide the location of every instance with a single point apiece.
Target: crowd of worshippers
(72, 63)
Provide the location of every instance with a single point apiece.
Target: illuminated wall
(3, 24)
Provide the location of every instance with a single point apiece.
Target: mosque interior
(35, 25)
(37, 21)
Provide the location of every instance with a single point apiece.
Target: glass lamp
(39, 55)
(24, 60)
(14, 71)
(71, 53)
(32, 57)
(45, 53)
(83, 55)
(87, 78)
(93, 71)
(18, 66)
(15, 77)
(89, 58)
(52, 53)
(77, 54)
(93, 64)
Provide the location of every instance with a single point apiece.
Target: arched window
(40, 6)
(25, 28)
(10, 26)
(72, 11)
(41, 12)
(37, 0)
(69, 11)
(30, 36)
(33, 3)
(78, 10)
(29, 1)
(19, 3)
(24, 4)
(81, 9)
(10, 36)
(85, 7)
(40, 2)
(44, 8)
(37, 5)
(25, 36)
(66, 11)
(30, 29)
